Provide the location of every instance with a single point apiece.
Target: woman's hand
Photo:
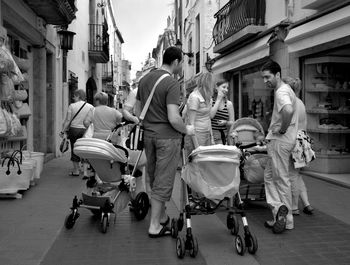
(222, 122)
(61, 134)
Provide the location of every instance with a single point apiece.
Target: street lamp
(66, 39)
(178, 44)
(66, 43)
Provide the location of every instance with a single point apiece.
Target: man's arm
(287, 115)
(175, 118)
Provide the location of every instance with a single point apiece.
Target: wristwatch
(281, 132)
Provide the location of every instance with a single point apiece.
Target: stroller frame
(104, 205)
(189, 242)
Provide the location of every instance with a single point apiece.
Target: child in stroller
(114, 186)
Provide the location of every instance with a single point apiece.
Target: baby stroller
(248, 135)
(212, 172)
(113, 183)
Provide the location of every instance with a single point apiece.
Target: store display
(327, 99)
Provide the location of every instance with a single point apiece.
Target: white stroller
(213, 172)
(114, 182)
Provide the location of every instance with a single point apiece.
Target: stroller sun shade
(98, 149)
(213, 171)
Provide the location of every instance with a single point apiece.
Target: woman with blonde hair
(198, 111)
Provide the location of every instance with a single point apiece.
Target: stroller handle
(241, 146)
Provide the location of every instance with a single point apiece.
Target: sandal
(165, 231)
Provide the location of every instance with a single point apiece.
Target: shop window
(257, 99)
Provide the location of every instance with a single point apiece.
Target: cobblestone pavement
(32, 231)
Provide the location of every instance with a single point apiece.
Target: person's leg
(281, 165)
(272, 195)
(294, 180)
(304, 197)
(73, 136)
(167, 157)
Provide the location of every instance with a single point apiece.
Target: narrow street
(32, 230)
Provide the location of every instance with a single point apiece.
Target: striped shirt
(220, 115)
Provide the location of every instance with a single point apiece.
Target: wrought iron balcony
(99, 43)
(107, 72)
(55, 12)
(236, 21)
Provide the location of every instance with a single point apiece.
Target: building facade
(53, 73)
(309, 39)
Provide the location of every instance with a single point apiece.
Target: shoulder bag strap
(145, 108)
(76, 115)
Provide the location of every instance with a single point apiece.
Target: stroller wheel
(193, 247)
(232, 224)
(141, 205)
(104, 223)
(251, 243)
(69, 221)
(174, 228)
(239, 244)
(180, 247)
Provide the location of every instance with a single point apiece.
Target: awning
(324, 29)
(247, 54)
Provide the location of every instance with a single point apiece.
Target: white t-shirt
(79, 119)
(196, 102)
(284, 95)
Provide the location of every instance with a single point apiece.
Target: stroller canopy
(93, 148)
(213, 171)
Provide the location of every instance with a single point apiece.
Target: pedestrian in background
(103, 118)
(281, 139)
(297, 182)
(129, 105)
(163, 127)
(74, 127)
(221, 113)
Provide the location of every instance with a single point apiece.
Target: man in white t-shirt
(281, 140)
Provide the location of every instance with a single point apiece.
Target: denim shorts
(163, 156)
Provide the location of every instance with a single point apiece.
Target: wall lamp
(178, 44)
(66, 39)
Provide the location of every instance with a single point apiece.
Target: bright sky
(140, 23)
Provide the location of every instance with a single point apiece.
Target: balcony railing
(237, 15)
(99, 43)
(107, 72)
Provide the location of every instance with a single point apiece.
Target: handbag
(20, 94)
(135, 138)
(64, 146)
(7, 88)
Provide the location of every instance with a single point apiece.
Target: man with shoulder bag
(163, 130)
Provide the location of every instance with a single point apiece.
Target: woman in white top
(198, 111)
(75, 127)
(297, 182)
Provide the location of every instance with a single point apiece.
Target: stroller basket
(213, 171)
